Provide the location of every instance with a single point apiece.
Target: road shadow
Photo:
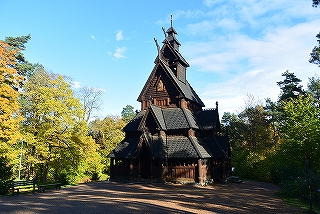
(117, 197)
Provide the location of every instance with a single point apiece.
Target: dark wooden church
(172, 138)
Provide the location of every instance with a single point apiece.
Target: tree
(128, 113)
(108, 134)
(233, 126)
(315, 54)
(9, 106)
(23, 67)
(290, 86)
(56, 134)
(315, 3)
(91, 101)
(314, 89)
(300, 132)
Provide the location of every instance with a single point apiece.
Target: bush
(63, 178)
(281, 173)
(5, 176)
(297, 187)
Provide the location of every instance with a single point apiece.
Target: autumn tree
(107, 134)
(56, 135)
(17, 44)
(9, 106)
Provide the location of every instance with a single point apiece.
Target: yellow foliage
(9, 106)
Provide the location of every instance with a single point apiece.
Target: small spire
(216, 104)
(171, 19)
(158, 47)
(164, 31)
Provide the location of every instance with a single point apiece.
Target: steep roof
(170, 118)
(176, 118)
(185, 89)
(209, 119)
(126, 148)
(219, 146)
(174, 147)
(134, 123)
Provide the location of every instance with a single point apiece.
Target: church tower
(167, 85)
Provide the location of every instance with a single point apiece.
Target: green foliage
(315, 3)
(301, 132)
(128, 113)
(55, 132)
(5, 175)
(315, 54)
(290, 86)
(232, 125)
(296, 186)
(17, 44)
(314, 89)
(272, 143)
(286, 171)
(107, 134)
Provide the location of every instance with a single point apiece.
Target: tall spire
(171, 36)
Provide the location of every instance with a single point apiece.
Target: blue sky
(234, 47)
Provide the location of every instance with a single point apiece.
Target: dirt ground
(114, 197)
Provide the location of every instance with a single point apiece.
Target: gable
(160, 87)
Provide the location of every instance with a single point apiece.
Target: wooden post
(139, 170)
(111, 168)
(200, 171)
(151, 170)
(131, 170)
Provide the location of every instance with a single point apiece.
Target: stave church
(173, 138)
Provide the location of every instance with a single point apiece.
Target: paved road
(113, 197)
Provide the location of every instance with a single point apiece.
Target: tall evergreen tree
(290, 86)
(17, 44)
(128, 113)
(315, 54)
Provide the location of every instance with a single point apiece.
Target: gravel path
(113, 197)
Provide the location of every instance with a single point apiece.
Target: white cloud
(119, 52)
(119, 36)
(249, 65)
(76, 84)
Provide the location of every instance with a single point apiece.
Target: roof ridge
(194, 146)
(186, 116)
(156, 118)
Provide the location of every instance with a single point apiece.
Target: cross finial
(171, 19)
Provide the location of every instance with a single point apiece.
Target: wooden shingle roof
(125, 149)
(174, 147)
